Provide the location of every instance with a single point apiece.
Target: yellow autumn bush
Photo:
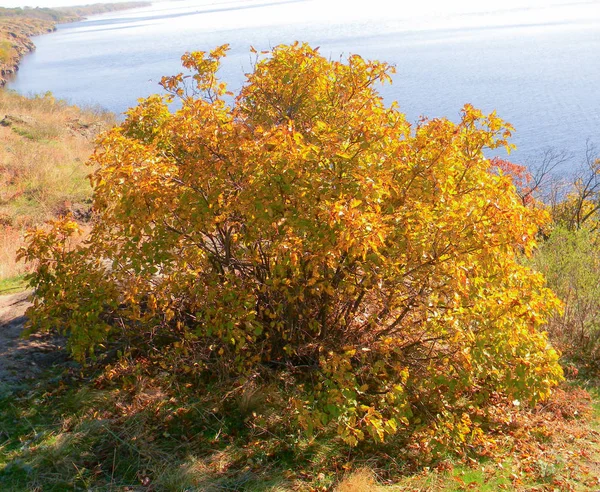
(306, 228)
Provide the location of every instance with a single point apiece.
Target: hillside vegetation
(44, 144)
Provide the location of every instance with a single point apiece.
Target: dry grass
(44, 144)
(362, 480)
(10, 239)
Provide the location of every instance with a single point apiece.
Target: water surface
(535, 62)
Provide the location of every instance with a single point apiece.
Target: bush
(307, 230)
(570, 261)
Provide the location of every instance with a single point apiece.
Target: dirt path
(22, 359)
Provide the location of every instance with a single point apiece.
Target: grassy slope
(44, 144)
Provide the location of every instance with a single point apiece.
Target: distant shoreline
(18, 26)
(15, 36)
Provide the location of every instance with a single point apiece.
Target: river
(537, 63)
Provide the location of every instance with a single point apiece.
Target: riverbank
(15, 41)
(18, 26)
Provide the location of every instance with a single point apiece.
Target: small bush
(308, 232)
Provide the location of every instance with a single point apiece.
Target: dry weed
(362, 480)
(10, 239)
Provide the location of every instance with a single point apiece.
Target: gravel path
(24, 358)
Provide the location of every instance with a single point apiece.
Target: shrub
(570, 261)
(307, 229)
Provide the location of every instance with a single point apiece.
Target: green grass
(13, 285)
(71, 437)
(478, 480)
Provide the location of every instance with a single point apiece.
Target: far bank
(19, 25)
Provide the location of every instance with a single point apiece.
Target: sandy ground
(24, 358)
